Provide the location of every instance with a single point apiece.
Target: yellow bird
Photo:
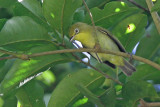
(86, 35)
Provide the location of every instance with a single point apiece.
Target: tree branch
(146, 104)
(104, 74)
(154, 15)
(25, 57)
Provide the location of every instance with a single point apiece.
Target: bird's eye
(76, 30)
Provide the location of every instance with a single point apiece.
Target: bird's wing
(104, 31)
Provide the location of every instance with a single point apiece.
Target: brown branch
(146, 104)
(104, 74)
(91, 17)
(154, 15)
(139, 6)
(26, 57)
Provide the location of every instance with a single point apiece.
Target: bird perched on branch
(90, 37)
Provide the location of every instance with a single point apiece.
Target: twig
(157, 66)
(155, 15)
(90, 14)
(104, 74)
(146, 104)
(139, 6)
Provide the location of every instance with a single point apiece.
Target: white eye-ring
(76, 30)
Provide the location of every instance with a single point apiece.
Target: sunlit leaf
(66, 92)
(23, 71)
(107, 17)
(130, 30)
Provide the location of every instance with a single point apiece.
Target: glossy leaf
(135, 90)
(130, 30)
(31, 95)
(149, 44)
(66, 92)
(22, 33)
(59, 13)
(22, 70)
(108, 16)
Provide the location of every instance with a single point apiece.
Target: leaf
(33, 9)
(7, 3)
(92, 97)
(130, 30)
(66, 92)
(59, 13)
(156, 7)
(10, 102)
(31, 95)
(149, 44)
(2, 22)
(22, 33)
(145, 72)
(108, 16)
(26, 70)
(95, 3)
(108, 98)
(135, 90)
(5, 68)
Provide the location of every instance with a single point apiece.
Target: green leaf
(149, 44)
(2, 22)
(145, 72)
(10, 102)
(33, 9)
(22, 33)
(95, 3)
(7, 3)
(26, 70)
(66, 92)
(5, 68)
(108, 98)
(59, 13)
(112, 13)
(156, 7)
(135, 90)
(92, 97)
(31, 95)
(130, 30)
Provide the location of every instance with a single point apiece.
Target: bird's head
(77, 29)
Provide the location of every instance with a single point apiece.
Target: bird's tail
(128, 68)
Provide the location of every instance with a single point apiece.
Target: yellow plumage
(86, 35)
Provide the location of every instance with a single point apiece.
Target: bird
(89, 36)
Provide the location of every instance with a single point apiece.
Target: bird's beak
(72, 38)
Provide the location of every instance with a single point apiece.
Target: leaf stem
(154, 15)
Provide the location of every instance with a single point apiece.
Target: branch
(23, 56)
(90, 14)
(139, 6)
(104, 74)
(154, 15)
(145, 104)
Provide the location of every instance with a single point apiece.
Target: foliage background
(59, 80)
